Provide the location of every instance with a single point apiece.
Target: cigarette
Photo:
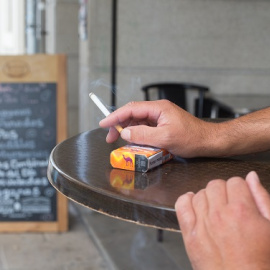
(103, 108)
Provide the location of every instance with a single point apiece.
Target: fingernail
(254, 176)
(125, 134)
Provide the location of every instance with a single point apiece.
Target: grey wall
(221, 43)
(62, 37)
(95, 63)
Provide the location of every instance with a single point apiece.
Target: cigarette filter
(138, 158)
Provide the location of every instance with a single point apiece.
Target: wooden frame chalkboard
(33, 119)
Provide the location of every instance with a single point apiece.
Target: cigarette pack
(138, 158)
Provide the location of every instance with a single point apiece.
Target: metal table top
(80, 168)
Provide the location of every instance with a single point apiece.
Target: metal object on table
(80, 168)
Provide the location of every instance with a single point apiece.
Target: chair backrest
(176, 92)
(213, 109)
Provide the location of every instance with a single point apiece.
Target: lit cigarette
(103, 108)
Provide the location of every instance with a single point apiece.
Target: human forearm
(247, 134)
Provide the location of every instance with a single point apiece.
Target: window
(12, 27)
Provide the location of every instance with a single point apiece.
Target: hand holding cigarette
(159, 123)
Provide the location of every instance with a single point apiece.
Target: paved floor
(93, 242)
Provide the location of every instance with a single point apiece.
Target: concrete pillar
(95, 63)
(62, 37)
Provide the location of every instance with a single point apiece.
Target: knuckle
(239, 210)
(199, 197)
(183, 199)
(215, 182)
(166, 102)
(235, 180)
(131, 103)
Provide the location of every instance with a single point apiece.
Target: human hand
(161, 124)
(227, 225)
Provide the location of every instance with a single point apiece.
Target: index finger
(138, 110)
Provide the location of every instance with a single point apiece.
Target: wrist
(217, 141)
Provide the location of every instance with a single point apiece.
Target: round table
(79, 168)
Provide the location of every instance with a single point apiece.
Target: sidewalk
(52, 251)
(93, 242)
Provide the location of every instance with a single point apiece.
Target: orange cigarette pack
(138, 158)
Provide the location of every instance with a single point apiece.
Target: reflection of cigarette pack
(138, 158)
(129, 180)
(122, 179)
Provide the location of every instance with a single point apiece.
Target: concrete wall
(95, 62)
(220, 43)
(62, 37)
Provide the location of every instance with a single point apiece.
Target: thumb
(142, 134)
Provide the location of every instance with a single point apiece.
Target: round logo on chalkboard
(16, 69)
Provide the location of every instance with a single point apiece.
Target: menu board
(29, 127)
(27, 135)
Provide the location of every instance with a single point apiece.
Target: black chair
(213, 109)
(177, 93)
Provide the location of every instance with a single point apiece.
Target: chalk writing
(27, 136)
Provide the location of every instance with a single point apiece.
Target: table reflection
(130, 180)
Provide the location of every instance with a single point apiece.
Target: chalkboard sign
(29, 127)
